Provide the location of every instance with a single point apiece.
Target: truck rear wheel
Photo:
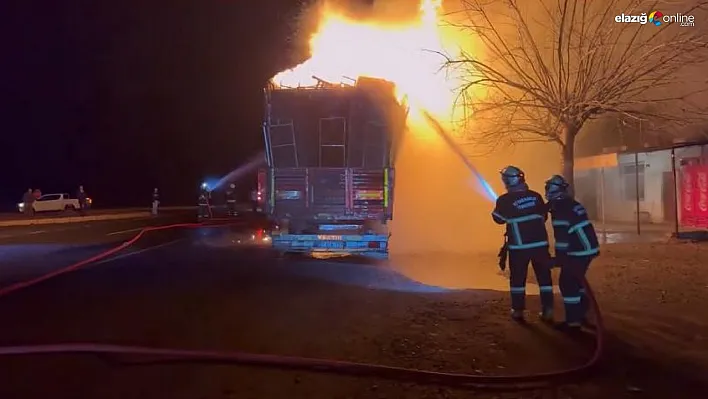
(376, 227)
(69, 208)
(292, 226)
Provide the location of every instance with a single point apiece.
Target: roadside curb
(74, 219)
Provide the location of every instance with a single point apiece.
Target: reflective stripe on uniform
(525, 218)
(499, 216)
(560, 223)
(584, 253)
(578, 226)
(587, 247)
(561, 245)
(529, 246)
(572, 300)
(514, 222)
(517, 234)
(518, 290)
(584, 239)
(546, 288)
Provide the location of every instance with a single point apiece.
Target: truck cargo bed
(329, 152)
(330, 194)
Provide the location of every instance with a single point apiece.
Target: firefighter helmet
(556, 187)
(512, 176)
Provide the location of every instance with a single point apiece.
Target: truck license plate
(331, 238)
(332, 244)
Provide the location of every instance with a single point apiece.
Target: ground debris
(650, 296)
(632, 388)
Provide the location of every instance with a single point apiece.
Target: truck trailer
(328, 185)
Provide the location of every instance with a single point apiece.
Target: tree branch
(536, 91)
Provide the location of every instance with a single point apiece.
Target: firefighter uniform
(204, 203)
(231, 200)
(83, 200)
(155, 201)
(576, 246)
(28, 203)
(524, 213)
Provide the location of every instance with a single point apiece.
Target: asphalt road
(47, 215)
(199, 288)
(29, 251)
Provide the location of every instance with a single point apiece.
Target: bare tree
(546, 67)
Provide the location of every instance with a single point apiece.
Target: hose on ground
(103, 255)
(167, 355)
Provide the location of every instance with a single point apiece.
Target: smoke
(481, 182)
(442, 233)
(389, 11)
(442, 206)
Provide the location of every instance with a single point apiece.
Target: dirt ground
(653, 297)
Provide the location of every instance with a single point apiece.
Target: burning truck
(329, 181)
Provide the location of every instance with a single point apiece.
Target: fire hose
(167, 355)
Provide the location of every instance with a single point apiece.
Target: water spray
(239, 172)
(488, 190)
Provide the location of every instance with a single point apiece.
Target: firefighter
(576, 246)
(28, 203)
(524, 213)
(83, 200)
(204, 202)
(155, 201)
(231, 200)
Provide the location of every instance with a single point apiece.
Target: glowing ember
(407, 54)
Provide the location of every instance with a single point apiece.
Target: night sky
(124, 96)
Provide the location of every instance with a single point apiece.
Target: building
(612, 184)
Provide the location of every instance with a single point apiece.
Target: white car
(52, 203)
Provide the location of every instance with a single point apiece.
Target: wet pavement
(629, 238)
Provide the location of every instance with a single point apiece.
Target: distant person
(155, 201)
(28, 203)
(204, 202)
(576, 247)
(255, 200)
(83, 200)
(231, 200)
(524, 213)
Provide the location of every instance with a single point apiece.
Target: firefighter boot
(570, 328)
(517, 315)
(546, 316)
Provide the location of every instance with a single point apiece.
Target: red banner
(694, 196)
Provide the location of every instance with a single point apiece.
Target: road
(47, 215)
(29, 251)
(196, 288)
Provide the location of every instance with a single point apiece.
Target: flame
(407, 54)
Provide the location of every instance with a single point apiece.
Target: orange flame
(407, 54)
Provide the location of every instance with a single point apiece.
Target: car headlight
(21, 205)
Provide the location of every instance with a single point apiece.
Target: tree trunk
(568, 154)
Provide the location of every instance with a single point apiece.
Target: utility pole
(636, 176)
